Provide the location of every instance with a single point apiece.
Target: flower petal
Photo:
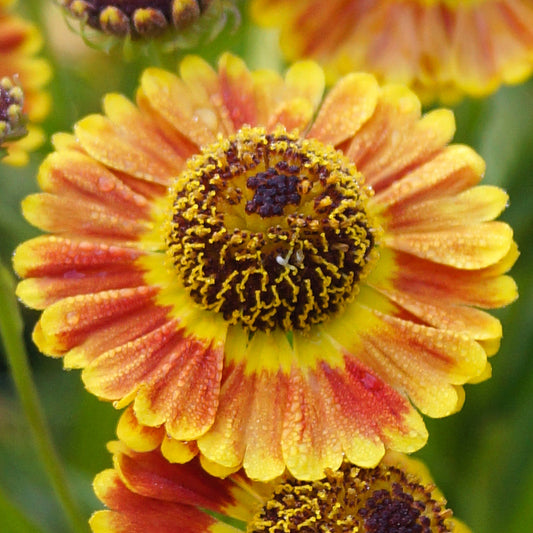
(396, 138)
(59, 267)
(193, 118)
(70, 321)
(450, 171)
(469, 247)
(478, 204)
(345, 109)
(237, 89)
(69, 216)
(122, 150)
(184, 393)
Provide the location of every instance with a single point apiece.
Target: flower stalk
(11, 327)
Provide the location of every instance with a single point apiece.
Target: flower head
(12, 119)
(178, 22)
(19, 42)
(145, 492)
(441, 48)
(271, 276)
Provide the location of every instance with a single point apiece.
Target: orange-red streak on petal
(366, 405)
(69, 322)
(57, 268)
(132, 512)
(79, 176)
(184, 393)
(237, 89)
(485, 287)
(151, 475)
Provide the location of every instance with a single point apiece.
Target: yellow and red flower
(144, 492)
(19, 42)
(441, 48)
(271, 276)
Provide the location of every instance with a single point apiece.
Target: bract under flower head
(176, 23)
(19, 42)
(441, 48)
(145, 492)
(270, 276)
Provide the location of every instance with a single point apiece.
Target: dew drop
(72, 318)
(106, 184)
(370, 382)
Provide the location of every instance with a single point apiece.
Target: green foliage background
(481, 457)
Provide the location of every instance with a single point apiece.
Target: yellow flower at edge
(144, 492)
(440, 48)
(12, 119)
(273, 276)
(19, 42)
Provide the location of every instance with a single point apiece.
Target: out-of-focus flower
(19, 42)
(441, 48)
(273, 274)
(177, 23)
(12, 119)
(144, 492)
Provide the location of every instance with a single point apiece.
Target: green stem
(11, 328)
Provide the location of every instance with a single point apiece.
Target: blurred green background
(481, 458)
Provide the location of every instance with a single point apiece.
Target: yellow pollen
(270, 230)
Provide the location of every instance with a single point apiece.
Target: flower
(144, 492)
(178, 22)
(19, 42)
(12, 119)
(441, 48)
(271, 274)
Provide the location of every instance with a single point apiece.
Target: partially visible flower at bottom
(12, 119)
(144, 492)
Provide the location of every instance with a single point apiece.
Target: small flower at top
(178, 23)
(443, 49)
(12, 118)
(144, 492)
(276, 277)
(19, 42)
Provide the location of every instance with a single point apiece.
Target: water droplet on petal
(106, 184)
(72, 318)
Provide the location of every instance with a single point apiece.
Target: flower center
(270, 230)
(377, 500)
(12, 122)
(135, 17)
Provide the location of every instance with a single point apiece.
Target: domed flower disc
(273, 278)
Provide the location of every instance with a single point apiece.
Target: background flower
(171, 23)
(20, 40)
(145, 491)
(440, 48)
